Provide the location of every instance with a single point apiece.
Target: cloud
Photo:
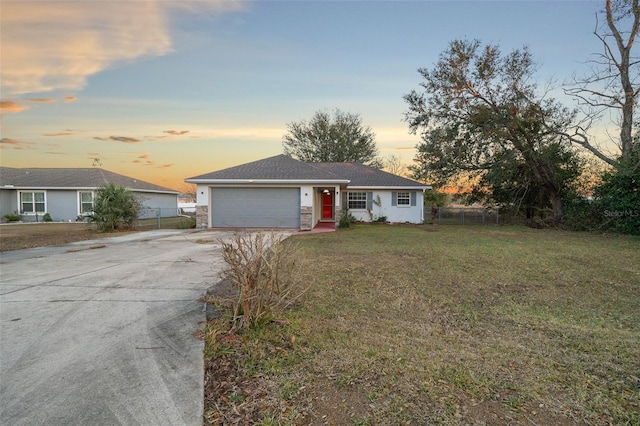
(70, 98)
(67, 132)
(55, 45)
(165, 166)
(42, 100)
(124, 139)
(10, 106)
(176, 132)
(6, 143)
(144, 156)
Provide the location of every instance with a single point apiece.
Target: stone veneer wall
(306, 218)
(202, 216)
(338, 215)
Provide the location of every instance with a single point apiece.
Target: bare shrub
(259, 267)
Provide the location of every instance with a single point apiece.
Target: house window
(404, 199)
(86, 202)
(32, 202)
(357, 200)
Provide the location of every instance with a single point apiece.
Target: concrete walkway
(100, 332)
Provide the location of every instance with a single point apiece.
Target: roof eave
(407, 187)
(80, 188)
(269, 181)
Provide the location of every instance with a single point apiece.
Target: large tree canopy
(614, 84)
(478, 109)
(342, 137)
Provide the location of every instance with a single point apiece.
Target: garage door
(255, 207)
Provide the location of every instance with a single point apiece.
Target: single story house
(282, 192)
(68, 193)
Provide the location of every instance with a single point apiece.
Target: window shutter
(394, 198)
(369, 200)
(345, 206)
(413, 198)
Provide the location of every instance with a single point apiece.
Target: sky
(163, 90)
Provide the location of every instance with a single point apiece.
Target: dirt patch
(30, 235)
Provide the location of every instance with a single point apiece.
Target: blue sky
(165, 90)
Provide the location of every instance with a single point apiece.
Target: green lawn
(178, 222)
(444, 325)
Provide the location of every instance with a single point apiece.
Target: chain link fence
(464, 216)
(165, 218)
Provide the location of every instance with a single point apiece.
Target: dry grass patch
(452, 325)
(29, 235)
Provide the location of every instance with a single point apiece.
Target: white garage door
(255, 207)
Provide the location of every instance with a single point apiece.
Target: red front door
(327, 206)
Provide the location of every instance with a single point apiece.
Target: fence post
(158, 217)
(497, 216)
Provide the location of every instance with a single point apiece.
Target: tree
(511, 185)
(325, 139)
(478, 108)
(617, 200)
(115, 207)
(393, 164)
(614, 83)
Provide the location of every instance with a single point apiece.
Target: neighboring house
(281, 192)
(67, 194)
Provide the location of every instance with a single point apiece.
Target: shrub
(618, 197)
(187, 223)
(615, 206)
(115, 207)
(346, 219)
(12, 217)
(47, 217)
(258, 266)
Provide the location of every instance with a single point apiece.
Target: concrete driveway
(100, 332)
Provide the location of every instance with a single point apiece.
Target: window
(86, 202)
(357, 200)
(404, 199)
(32, 202)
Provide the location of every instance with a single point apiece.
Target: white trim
(394, 188)
(79, 201)
(80, 188)
(245, 182)
(35, 212)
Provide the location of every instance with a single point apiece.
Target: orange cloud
(65, 133)
(144, 156)
(6, 143)
(70, 99)
(124, 139)
(176, 132)
(43, 100)
(10, 106)
(165, 166)
(49, 45)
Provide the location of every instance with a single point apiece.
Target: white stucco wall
(399, 214)
(306, 196)
(202, 195)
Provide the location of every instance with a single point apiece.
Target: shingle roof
(282, 167)
(71, 178)
(365, 176)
